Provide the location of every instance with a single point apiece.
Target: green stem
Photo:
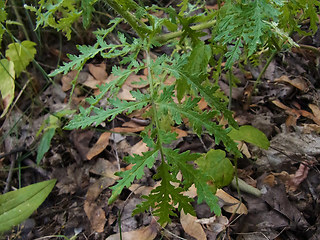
(16, 12)
(141, 29)
(258, 81)
(168, 36)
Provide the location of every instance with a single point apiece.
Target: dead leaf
(316, 111)
(232, 204)
(127, 129)
(104, 168)
(67, 79)
(191, 226)
(202, 104)
(96, 215)
(180, 132)
(91, 82)
(297, 82)
(99, 146)
(243, 148)
(139, 148)
(297, 178)
(95, 189)
(131, 124)
(125, 94)
(133, 79)
(98, 71)
(144, 233)
(215, 224)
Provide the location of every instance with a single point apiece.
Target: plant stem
(166, 37)
(258, 81)
(141, 29)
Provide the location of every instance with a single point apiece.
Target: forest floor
(285, 108)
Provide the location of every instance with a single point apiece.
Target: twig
(21, 149)
(8, 181)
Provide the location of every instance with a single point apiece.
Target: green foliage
(21, 54)
(240, 31)
(7, 76)
(251, 135)
(16, 206)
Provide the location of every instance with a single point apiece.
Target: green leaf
(161, 197)
(215, 165)
(16, 206)
(87, 9)
(136, 172)
(21, 54)
(251, 135)
(7, 75)
(45, 142)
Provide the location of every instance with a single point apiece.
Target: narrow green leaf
(7, 75)
(251, 135)
(16, 206)
(45, 142)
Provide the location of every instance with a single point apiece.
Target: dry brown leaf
(202, 104)
(98, 71)
(180, 132)
(191, 226)
(91, 82)
(127, 129)
(125, 94)
(297, 82)
(67, 79)
(242, 209)
(104, 168)
(96, 215)
(243, 148)
(139, 148)
(95, 189)
(297, 178)
(131, 124)
(140, 189)
(99, 146)
(215, 224)
(144, 233)
(316, 111)
(133, 79)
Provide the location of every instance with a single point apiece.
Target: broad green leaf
(16, 206)
(21, 54)
(215, 165)
(7, 75)
(251, 135)
(45, 142)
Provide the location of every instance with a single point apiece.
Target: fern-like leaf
(136, 172)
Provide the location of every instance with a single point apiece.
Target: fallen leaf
(202, 104)
(139, 148)
(95, 189)
(144, 233)
(127, 129)
(99, 146)
(98, 71)
(91, 82)
(232, 204)
(67, 79)
(104, 168)
(299, 176)
(215, 224)
(316, 111)
(125, 94)
(133, 80)
(180, 132)
(96, 215)
(297, 82)
(191, 226)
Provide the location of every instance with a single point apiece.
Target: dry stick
(6, 189)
